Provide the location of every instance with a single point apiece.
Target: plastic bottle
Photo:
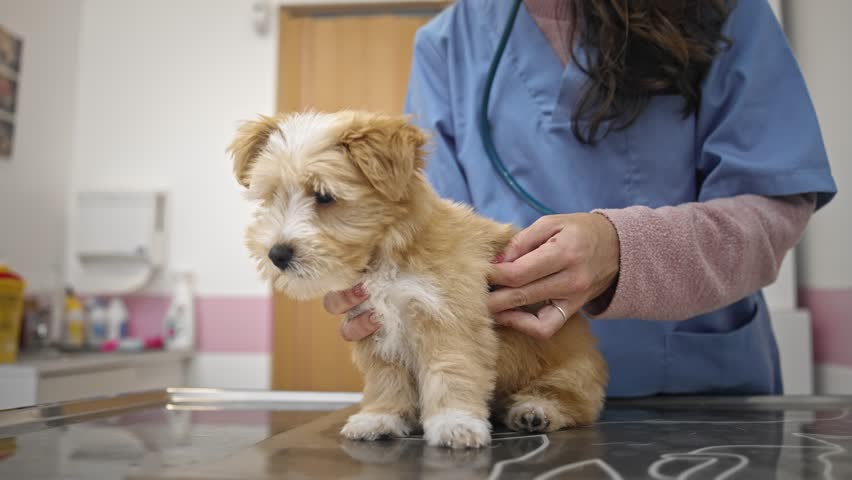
(75, 322)
(98, 323)
(117, 319)
(11, 305)
(179, 324)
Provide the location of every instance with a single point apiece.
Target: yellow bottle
(75, 323)
(7, 447)
(11, 308)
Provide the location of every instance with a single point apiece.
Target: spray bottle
(179, 324)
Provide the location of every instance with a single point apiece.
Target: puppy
(342, 199)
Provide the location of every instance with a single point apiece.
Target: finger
(529, 324)
(552, 317)
(536, 264)
(558, 285)
(338, 303)
(358, 327)
(531, 237)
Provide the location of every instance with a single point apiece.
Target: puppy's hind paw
(535, 416)
(456, 429)
(373, 426)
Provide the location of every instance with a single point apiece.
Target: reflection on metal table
(193, 433)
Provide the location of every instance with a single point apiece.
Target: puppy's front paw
(535, 416)
(456, 429)
(373, 426)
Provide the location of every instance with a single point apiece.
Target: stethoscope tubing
(485, 125)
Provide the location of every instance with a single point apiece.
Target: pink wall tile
(234, 324)
(224, 324)
(146, 314)
(831, 313)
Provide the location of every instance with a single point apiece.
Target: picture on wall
(7, 129)
(10, 50)
(10, 66)
(8, 91)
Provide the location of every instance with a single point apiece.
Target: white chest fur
(395, 297)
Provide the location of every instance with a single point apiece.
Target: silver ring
(554, 305)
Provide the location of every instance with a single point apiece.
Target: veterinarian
(680, 146)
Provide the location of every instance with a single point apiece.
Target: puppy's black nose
(281, 256)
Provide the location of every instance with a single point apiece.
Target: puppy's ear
(251, 137)
(387, 150)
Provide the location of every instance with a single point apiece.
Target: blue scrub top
(755, 132)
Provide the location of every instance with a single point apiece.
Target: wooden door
(331, 60)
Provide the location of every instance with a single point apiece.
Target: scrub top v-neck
(755, 132)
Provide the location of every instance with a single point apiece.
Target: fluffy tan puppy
(342, 199)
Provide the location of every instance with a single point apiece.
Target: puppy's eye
(323, 198)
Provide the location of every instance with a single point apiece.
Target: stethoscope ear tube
(485, 125)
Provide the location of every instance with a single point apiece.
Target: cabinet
(46, 378)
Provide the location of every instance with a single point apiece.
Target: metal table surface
(192, 433)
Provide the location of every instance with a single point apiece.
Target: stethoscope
(485, 126)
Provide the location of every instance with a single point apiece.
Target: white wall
(34, 185)
(833, 380)
(822, 40)
(250, 371)
(162, 84)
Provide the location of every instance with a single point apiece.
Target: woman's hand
(358, 327)
(568, 259)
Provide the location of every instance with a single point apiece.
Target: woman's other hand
(339, 303)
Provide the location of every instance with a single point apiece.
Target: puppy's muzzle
(281, 256)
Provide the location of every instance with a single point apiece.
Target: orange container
(11, 308)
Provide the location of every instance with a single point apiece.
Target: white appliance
(119, 240)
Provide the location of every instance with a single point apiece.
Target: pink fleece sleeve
(679, 262)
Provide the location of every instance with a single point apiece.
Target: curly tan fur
(439, 357)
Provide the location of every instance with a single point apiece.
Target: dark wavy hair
(642, 48)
